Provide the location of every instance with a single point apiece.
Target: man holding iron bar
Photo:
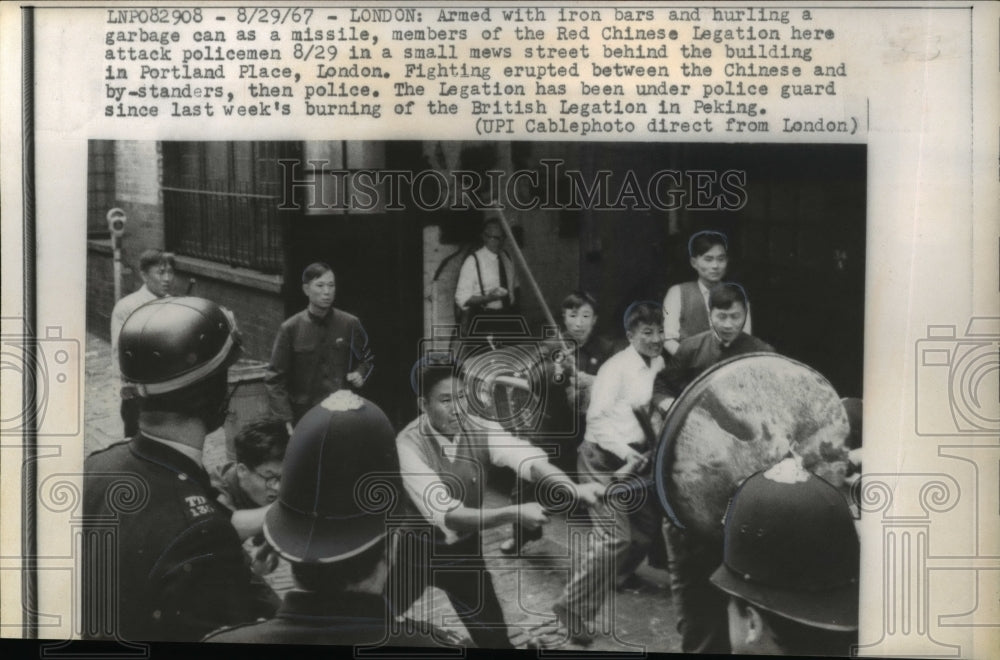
(444, 456)
(616, 447)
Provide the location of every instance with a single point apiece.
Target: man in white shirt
(444, 457)
(157, 270)
(487, 281)
(614, 445)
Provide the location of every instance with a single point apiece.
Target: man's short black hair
(431, 374)
(154, 258)
(578, 299)
(646, 311)
(314, 270)
(724, 294)
(799, 639)
(261, 441)
(491, 219)
(703, 241)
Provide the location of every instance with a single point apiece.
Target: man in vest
(685, 307)
(444, 457)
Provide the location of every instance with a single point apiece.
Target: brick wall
(100, 289)
(257, 305)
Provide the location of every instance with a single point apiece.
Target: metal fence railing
(226, 222)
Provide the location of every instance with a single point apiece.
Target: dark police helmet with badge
(791, 550)
(340, 483)
(174, 355)
(340, 479)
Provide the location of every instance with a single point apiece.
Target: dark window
(220, 201)
(100, 186)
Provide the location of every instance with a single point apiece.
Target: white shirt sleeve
(602, 414)
(510, 451)
(426, 490)
(116, 328)
(672, 314)
(468, 284)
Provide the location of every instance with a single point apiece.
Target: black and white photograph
(562, 360)
(464, 329)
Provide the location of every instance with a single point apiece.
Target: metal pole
(519, 258)
(116, 242)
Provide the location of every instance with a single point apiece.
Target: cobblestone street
(636, 620)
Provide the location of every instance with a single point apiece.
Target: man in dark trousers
(318, 351)
(569, 376)
(331, 523)
(701, 610)
(161, 560)
(444, 457)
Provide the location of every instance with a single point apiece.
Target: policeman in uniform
(161, 560)
(790, 566)
(340, 478)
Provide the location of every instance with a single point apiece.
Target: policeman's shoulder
(106, 452)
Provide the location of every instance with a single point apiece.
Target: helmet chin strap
(214, 419)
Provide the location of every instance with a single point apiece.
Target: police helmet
(791, 548)
(340, 479)
(172, 343)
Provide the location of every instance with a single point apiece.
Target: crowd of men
(368, 517)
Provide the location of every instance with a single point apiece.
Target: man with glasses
(487, 281)
(333, 523)
(249, 485)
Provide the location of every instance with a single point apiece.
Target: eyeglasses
(270, 481)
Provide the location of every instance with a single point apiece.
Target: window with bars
(220, 201)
